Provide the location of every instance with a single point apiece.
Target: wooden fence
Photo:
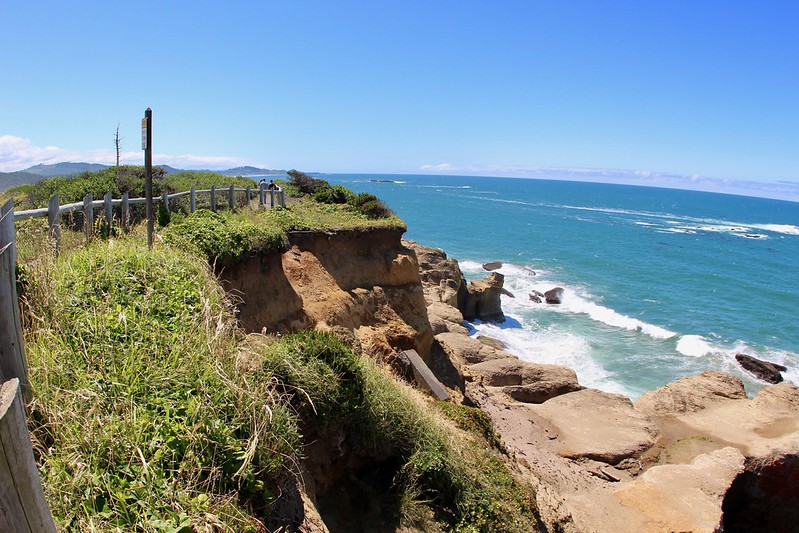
(266, 197)
(23, 507)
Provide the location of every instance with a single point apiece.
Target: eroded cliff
(366, 281)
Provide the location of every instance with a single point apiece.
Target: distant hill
(12, 179)
(41, 172)
(250, 171)
(64, 169)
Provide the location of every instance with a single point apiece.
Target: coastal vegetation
(154, 411)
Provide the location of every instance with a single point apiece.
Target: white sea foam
(522, 280)
(576, 304)
(551, 346)
(694, 223)
(695, 346)
(786, 229)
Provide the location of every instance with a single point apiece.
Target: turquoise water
(659, 283)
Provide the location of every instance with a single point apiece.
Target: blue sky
(700, 93)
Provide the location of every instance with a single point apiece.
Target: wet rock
(554, 296)
(765, 370)
(492, 265)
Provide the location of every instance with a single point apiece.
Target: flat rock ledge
(598, 425)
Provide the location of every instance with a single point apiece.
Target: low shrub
(223, 237)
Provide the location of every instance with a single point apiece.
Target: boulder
(541, 391)
(764, 370)
(445, 318)
(507, 293)
(492, 265)
(554, 296)
(536, 297)
(483, 299)
(598, 425)
(692, 393)
(502, 372)
(463, 349)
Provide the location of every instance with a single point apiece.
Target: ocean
(658, 283)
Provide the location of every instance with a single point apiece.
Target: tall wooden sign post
(147, 146)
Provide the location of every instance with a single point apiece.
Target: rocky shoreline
(694, 455)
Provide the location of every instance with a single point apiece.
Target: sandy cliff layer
(364, 281)
(696, 455)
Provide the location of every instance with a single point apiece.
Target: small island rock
(554, 296)
(492, 265)
(768, 372)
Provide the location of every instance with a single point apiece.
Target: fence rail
(266, 197)
(22, 503)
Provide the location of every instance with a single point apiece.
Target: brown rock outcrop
(483, 299)
(692, 393)
(509, 370)
(366, 281)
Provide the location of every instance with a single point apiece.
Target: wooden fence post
(282, 198)
(249, 195)
(22, 504)
(193, 203)
(125, 212)
(54, 221)
(262, 193)
(213, 197)
(231, 197)
(88, 216)
(109, 211)
(165, 200)
(12, 349)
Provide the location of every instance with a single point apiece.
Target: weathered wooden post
(88, 216)
(262, 193)
(147, 146)
(125, 212)
(54, 221)
(193, 197)
(165, 199)
(23, 507)
(109, 211)
(213, 197)
(231, 197)
(12, 350)
(249, 196)
(282, 197)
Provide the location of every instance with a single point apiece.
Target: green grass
(142, 418)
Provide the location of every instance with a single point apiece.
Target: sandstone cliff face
(365, 281)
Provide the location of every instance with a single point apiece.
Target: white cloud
(441, 167)
(18, 153)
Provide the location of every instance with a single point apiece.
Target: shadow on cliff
(266, 297)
